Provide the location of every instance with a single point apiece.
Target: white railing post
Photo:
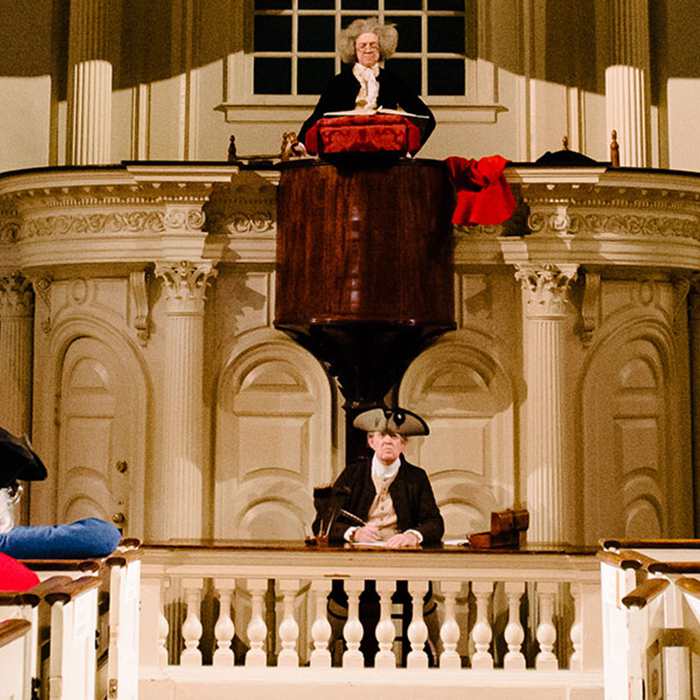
(153, 624)
(385, 631)
(482, 632)
(257, 629)
(192, 626)
(576, 633)
(321, 628)
(289, 629)
(546, 631)
(514, 633)
(352, 632)
(224, 628)
(449, 631)
(417, 630)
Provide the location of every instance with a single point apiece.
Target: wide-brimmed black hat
(391, 420)
(18, 460)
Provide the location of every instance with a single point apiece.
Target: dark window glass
(317, 4)
(314, 74)
(359, 4)
(445, 76)
(403, 4)
(273, 33)
(456, 5)
(272, 76)
(409, 32)
(273, 4)
(446, 34)
(316, 33)
(409, 69)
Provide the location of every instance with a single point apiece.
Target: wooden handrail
(13, 629)
(646, 592)
(83, 565)
(122, 558)
(71, 589)
(616, 559)
(650, 544)
(689, 586)
(676, 567)
(34, 595)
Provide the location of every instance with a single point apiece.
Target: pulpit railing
(258, 606)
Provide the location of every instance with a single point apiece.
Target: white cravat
(369, 87)
(385, 471)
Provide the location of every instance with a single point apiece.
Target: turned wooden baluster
(417, 630)
(576, 633)
(449, 632)
(163, 627)
(546, 631)
(224, 628)
(192, 626)
(257, 629)
(352, 631)
(289, 629)
(514, 633)
(481, 632)
(321, 629)
(385, 630)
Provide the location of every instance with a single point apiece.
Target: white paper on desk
(456, 542)
(368, 544)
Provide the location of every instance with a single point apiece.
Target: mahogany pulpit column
(16, 333)
(627, 79)
(545, 291)
(90, 81)
(184, 285)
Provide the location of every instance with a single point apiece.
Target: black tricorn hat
(18, 460)
(391, 420)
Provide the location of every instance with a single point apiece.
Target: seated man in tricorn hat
(395, 501)
(82, 539)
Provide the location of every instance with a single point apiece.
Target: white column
(182, 407)
(16, 333)
(90, 81)
(626, 79)
(544, 305)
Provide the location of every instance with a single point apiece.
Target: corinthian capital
(185, 285)
(545, 288)
(16, 296)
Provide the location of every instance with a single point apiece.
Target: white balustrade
(514, 598)
(482, 633)
(224, 628)
(385, 631)
(192, 627)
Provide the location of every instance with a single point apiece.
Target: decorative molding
(588, 305)
(681, 289)
(42, 286)
(237, 223)
(138, 283)
(545, 288)
(185, 285)
(16, 296)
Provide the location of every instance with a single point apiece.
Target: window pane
(316, 33)
(445, 76)
(409, 32)
(446, 34)
(317, 4)
(359, 4)
(314, 74)
(273, 33)
(272, 76)
(273, 4)
(408, 69)
(456, 5)
(403, 4)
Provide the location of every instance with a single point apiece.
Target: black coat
(340, 95)
(410, 492)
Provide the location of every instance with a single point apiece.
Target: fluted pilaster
(184, 286)
(90, 82)
(545, 291)
(626, 79)
(16, 325)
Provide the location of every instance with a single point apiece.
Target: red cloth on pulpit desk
(15, 576)
(363, 133)
(483, 194)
